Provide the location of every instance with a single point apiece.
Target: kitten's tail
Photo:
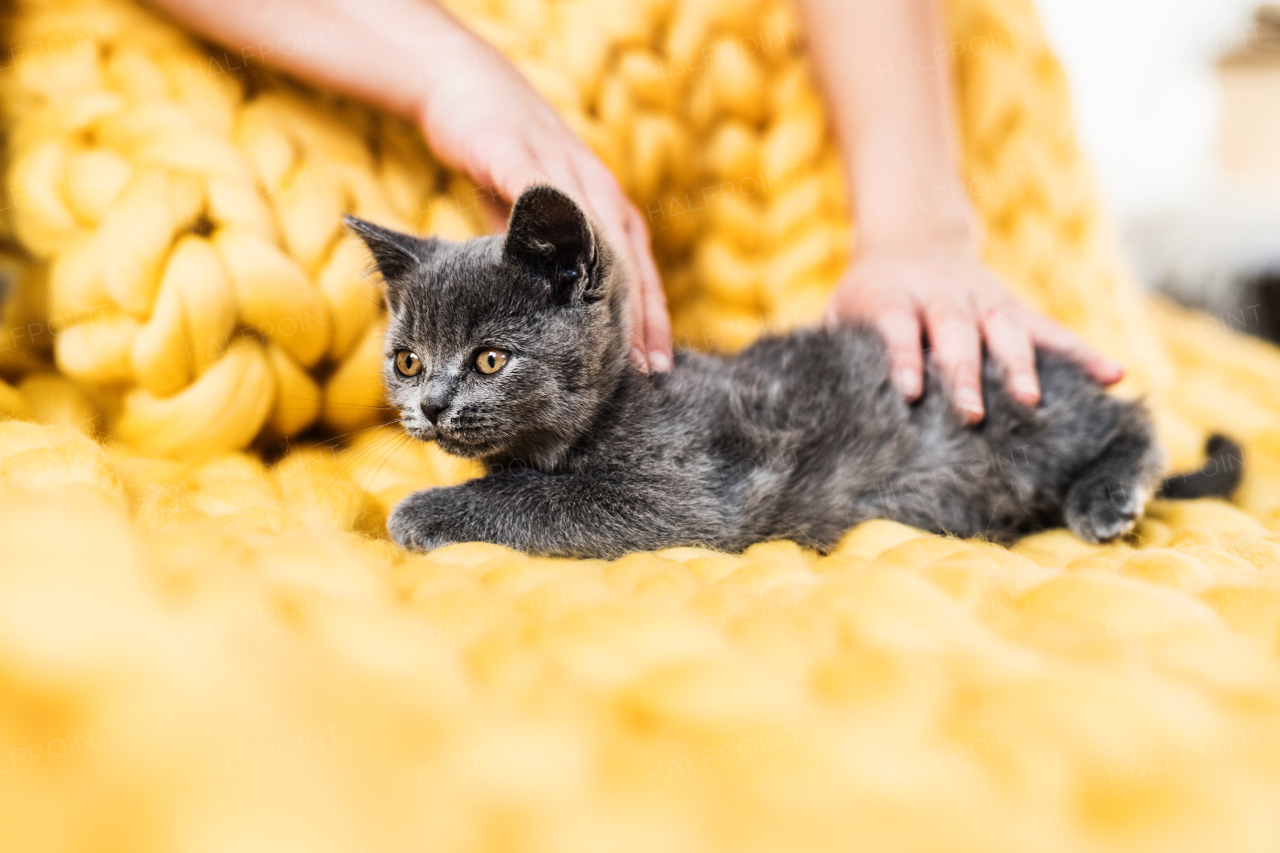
(1216, 478)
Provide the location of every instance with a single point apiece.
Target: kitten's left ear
(549, 233)
(396, 254)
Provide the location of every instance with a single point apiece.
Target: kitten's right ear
(395, 253)
(550, 233)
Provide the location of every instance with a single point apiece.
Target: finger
(957, 352)
(899, 325)
(1010, 345)
(1104, 370)
(657, 320)
(637, 304)
(1050, 335)
(606, 205)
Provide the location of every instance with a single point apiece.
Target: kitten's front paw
(418, 523)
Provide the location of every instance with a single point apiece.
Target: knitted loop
(200, 281)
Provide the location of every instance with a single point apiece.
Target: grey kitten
(512, 350)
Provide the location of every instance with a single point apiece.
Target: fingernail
(908, 382)
(638, 359)
(1026, 389)
(659, 361)
(968, 401)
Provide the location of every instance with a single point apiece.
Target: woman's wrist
(959, 232)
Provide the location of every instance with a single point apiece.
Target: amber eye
(407, 363)
(490, 361)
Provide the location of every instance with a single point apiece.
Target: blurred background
(1178, 105)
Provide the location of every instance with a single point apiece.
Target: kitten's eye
(490, 361)
(408, 363)
(568, 276)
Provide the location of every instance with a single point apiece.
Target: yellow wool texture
(185, 211)
(200, 650)
(220, 656)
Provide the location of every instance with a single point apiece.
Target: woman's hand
(477, 112)
(917, 269)
(486, 120)
(945, 291)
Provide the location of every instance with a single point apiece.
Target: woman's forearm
(885, 70)
(386, 52)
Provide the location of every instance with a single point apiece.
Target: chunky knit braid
(187, 204)
(184, 204)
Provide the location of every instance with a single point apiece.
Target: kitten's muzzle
(416, 428)
(431, 411)
(434, 405)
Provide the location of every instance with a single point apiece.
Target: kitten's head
(505, 345)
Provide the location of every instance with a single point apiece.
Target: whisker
(334, 442)
(343, 404)
(350, 465)
(337, 439)
(402, 446)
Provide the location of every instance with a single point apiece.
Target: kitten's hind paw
(1102, 511)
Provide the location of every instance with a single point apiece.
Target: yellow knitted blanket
(200, 650)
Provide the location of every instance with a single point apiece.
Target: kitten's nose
(432, 410)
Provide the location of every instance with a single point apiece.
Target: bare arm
(477, 112)
(917, 264)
